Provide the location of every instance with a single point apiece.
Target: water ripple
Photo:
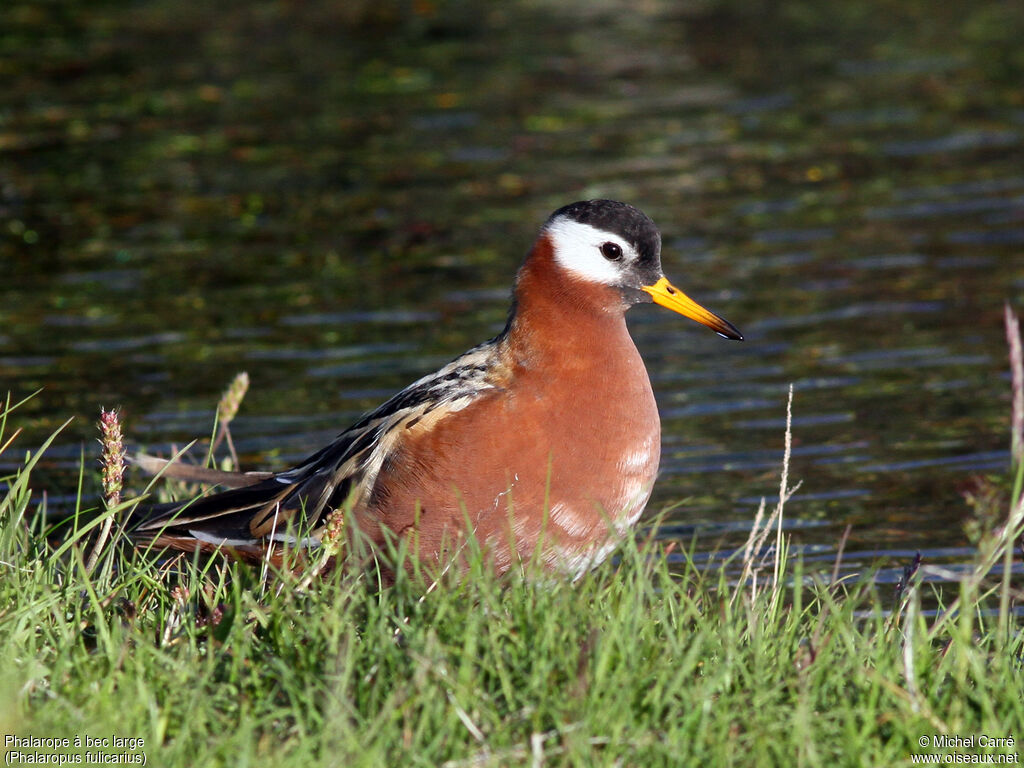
(866, 309)
(945, 208)
(372, 317)
(957, 142)
(976, 461)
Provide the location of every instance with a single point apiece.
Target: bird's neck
(557, 315)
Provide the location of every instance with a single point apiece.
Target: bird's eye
(611, 251)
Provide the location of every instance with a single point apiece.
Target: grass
(221, 664)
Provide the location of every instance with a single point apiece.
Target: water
(336, 199)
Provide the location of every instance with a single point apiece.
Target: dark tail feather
(226, 515)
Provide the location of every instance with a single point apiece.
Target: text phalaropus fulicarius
(543, 441)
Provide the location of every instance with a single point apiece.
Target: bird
(541, 444)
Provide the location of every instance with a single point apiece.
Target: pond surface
(334, 197)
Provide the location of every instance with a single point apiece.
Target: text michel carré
(977, 741)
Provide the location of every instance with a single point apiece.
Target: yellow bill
(667, 295)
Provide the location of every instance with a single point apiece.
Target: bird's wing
(301, 498)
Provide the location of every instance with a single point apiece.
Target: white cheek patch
(578, 250)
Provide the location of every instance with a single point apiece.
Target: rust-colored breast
(562, 456)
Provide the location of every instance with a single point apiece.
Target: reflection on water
(336, 199)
